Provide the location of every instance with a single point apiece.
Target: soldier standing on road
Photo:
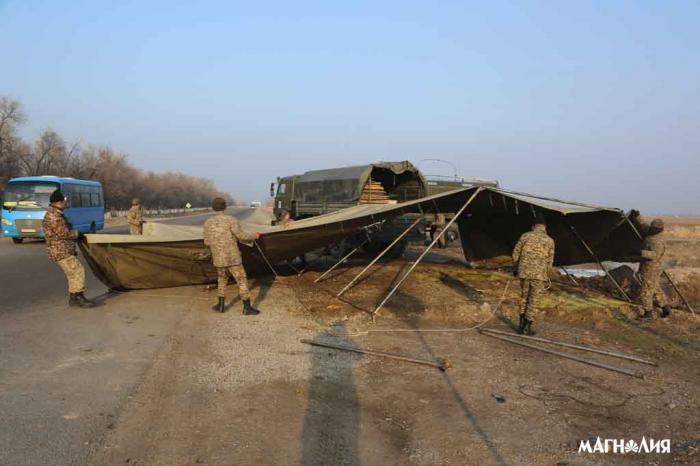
(222, 234)
(60, 246)
(135, 217)
(650, 267)
(534, 256)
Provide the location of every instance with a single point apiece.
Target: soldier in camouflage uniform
(135, 217)
(222, 234)
(60, 245)
(650, 267)
(534, 256)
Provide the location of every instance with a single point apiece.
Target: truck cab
(283, 195)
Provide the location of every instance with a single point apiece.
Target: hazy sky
(592, 101)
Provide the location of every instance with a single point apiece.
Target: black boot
(647, 316)
(665, 311)
(220, 306)
(79, 299)
(249, 310)
(527, 328)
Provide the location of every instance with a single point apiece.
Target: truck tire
(17, 240)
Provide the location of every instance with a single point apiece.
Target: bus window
(95, 200)
(74, 197)
(28, 195)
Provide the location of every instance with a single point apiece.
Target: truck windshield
(28, 195)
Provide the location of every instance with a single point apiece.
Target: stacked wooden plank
(374, 193)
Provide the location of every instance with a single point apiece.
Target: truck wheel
(17, 240)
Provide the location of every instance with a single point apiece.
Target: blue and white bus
(26, 199)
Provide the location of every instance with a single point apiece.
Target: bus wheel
(17, 240)
(93, 228)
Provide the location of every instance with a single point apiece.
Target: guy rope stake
(435, 240)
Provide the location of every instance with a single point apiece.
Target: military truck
(319, 192)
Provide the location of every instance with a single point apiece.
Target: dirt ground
(229, 389)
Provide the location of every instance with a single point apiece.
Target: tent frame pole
(379, 256)
(423, 254)
(666, 274)
(568, 274)
(341, 261)
(266, 259)
(595, 258)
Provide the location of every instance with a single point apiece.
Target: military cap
(136, 201)
(218, 204)
(657, 224)
(56, 196)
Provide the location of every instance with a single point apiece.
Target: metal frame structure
(430, 246)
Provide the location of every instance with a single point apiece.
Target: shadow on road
(332, 422)
(412, 318)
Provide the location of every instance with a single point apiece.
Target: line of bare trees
(50, 154)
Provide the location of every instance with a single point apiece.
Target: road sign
(188, 205)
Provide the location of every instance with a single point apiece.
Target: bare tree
(50, 155)
(11, 118)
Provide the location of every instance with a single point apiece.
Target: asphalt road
(66, 372)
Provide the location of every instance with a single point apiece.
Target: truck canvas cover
(344, 185)
(489, 227)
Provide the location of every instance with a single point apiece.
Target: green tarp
(489, 227)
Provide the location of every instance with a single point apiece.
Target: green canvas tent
(489, 227)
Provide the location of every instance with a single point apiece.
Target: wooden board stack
(373, 193)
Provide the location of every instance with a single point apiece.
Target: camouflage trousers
(531, 292)
(75, 273)
(135, 229)
(650, 294)
(238, 273)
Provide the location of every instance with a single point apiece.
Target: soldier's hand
(257, 235)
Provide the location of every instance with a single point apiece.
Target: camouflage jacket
(135, 215)
(534, 254)
(60, 239)
(653, 250)
(222, 233)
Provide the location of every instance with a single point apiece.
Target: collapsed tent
(490, 223)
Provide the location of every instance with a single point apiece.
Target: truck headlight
(7, 222)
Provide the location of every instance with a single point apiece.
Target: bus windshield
(28, 195)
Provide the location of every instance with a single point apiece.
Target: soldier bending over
(60, 246)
